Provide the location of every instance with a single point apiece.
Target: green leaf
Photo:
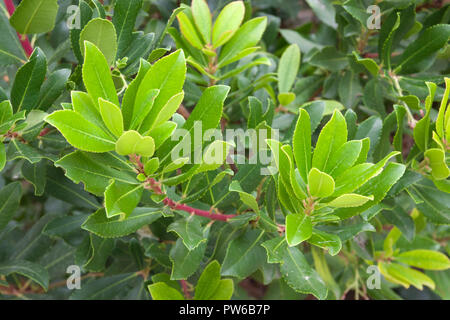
(83, 104)
(121, 198)
(275, 248)
(425, 46)
(324, 10)
(101, 249)
(169, 109)
(436, 161)
(11, 51)
(248, 35)
(302, 144)
(300, 276)
(288, 68)
(441, 118)
(105, 288)
(349, 200)
(9, 198)
(404, 276)
(189, 230)
(358, 175)
(102, 34)
(320, 184)
(202, 19)
(52, 88)
(331, 138)
(244, 255)
(131, 142)
(298, 228)
(129, 98)
(35, 16)
(184, 261)
(27, 269)
(227, 23)
(344, 158)
(246, 198)
(96, 170)
(112, 117)
(208, 110)
(424, 259)
(422, 129)
(387, 45)
(368, 63)
(81, 133)
(124, 19)
(162, 132)
(162, 291)
(211, 287)
(35, 173)
(28, 81)
(330, 58)
(97, 76)
(188, 29)
(167, 75)
(99, 224)
(2, 156)
(376, 187)
(328, 241)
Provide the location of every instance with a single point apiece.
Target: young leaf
(436, 161)
(247, 36)
(161, 291)
(96, 75)
(424, 259)
(320, 184)
(188, 29)
(121, 198)
(202, 19)
(131, 142)
(102, 34)
(227, 23)
(288, 68)
(349, 200)
(81, 133)
(331, 138)
(112, 117)
(298, 228)
(328, 241)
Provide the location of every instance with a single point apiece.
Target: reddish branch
(155, 186)
(185, 287)
(26, 45)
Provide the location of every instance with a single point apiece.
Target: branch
(26, 45)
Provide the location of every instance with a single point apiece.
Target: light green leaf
(227, 23)
(202, 19)
(131, 142)
(112, 116)
(288, 68)
(320, 184)
(331, 138)
(246, 198)
(325, 240)
(102, 34)
(247, 36)
(349, 200)
(436, 161)
(424, 259)
(162, 291)
(189, 230)
(344, 158)
(121, 198)
(298, 228)
(211, 287)
(188, 29)
(81, 133)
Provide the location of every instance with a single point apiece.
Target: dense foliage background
(90, 92)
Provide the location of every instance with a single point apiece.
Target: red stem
(178, 206)
(185, 287)
(26, 45)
